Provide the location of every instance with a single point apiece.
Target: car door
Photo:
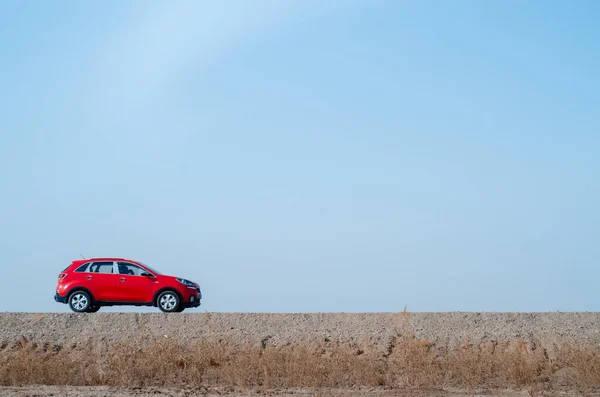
(101, 280)
(133, 287)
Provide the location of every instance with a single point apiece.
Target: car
(87, 285)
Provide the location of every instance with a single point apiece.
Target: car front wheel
(80, 301)
(168, 302)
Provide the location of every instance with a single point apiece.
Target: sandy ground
(296, 329)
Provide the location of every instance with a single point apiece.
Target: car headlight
(187, 283)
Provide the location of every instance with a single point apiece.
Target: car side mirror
(146, 274)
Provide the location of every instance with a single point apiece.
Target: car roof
(109, 259)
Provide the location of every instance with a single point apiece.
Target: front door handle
(89, 277)
(122, 279)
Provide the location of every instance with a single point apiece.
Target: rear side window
(82, 268)
(101, 267)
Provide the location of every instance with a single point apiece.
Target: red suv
(86, 285)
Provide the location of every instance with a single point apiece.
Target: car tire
(93, 309)
(168, 301)
(80, 301)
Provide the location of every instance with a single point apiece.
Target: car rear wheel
(168, 302)
(80, 301)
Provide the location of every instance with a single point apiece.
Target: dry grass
(407, 363)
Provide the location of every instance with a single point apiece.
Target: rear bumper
(60, 299)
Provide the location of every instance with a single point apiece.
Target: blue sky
(306, 156)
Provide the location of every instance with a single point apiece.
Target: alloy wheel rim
(168, 302)
(79, 301)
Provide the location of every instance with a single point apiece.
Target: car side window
(82, 268)
(101, 267)
(130, 269)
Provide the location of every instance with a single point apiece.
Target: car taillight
(62, 275)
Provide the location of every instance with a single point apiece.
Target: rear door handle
(122, 279)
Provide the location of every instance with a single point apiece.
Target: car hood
(174, 278)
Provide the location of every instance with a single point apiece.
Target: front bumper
(193, 298)
(60, 299)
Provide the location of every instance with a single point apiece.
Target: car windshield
(151, 269)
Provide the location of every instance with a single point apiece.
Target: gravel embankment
(374, 330)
